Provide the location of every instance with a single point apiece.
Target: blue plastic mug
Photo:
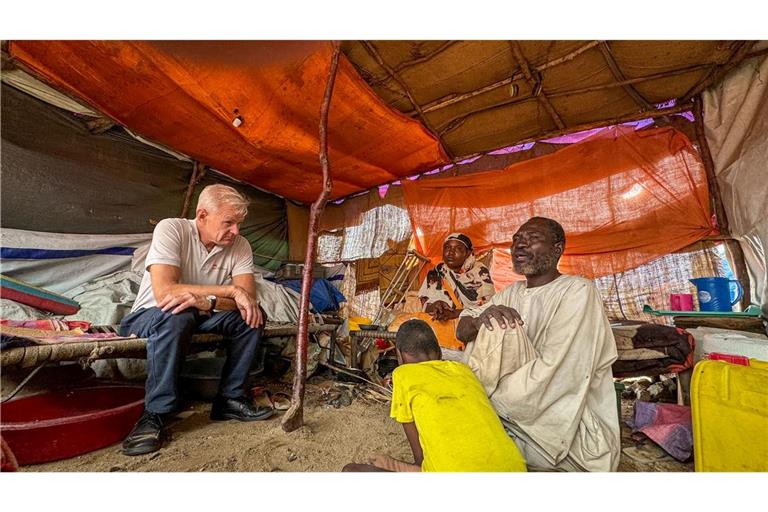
(715, 293)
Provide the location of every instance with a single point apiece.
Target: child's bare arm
(412, 433)
(388, 463)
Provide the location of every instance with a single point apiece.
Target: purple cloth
(668, 425)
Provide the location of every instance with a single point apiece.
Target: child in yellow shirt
(447, 417)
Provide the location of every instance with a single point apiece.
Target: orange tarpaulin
(184, 95)
(623, 198)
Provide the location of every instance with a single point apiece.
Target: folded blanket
(651, 349)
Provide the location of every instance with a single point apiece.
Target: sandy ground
(333, 435)
(330, 438)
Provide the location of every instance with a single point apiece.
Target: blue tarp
(324, 296)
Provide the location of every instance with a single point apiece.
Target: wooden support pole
(375, 54)
(452, 124)
(686, 107)
(733, 246)
(408, 63)
(456, 98)
(619, 76)
(198, 171)
(294, 416)
(535, 86)
(718, 72)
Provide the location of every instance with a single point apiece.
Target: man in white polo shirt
(198, 278)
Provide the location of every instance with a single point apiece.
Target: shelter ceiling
(187, 94)
(477, 96)
(399, 107)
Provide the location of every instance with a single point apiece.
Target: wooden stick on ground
(294, 416)
(386, 391)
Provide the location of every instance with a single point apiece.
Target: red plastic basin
(61, 424)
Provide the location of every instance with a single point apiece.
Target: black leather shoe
(238, 409)
(146, 436)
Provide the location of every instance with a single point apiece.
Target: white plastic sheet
(61, 262)
(736, 126)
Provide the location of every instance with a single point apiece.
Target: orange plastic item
(187, 95)
(445, 332)
(623, 197)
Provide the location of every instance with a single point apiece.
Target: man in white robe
(543, 349)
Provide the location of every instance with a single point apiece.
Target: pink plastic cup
(681, 302)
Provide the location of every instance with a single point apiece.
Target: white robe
(553, 379)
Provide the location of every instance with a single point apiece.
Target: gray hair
(214, 197)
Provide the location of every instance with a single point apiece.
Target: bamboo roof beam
(409, 63)
(653, 114)
(375, 54)
(456, 98)
(605, 49)
(535, 85)
(719, 71)
(449, 125)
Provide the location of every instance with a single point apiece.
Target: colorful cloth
(40, 298)
(668, 425)
(49, 325)
(470, 286)
(458, 428)
(12, 337)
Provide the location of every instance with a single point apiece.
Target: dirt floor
(655, 459)
(330, 438)
(342, 425)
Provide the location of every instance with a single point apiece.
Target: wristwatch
(211, 301)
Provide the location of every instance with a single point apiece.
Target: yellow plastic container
(729, 408)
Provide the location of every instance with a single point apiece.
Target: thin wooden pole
(294, 416)
(198, 170)
(686, 107)
(408, 63)
(709, 167)
(734, 247)
(619, 76)
(454, 98)
(628, 81)
(521, 60)
(452, 124)
(718, 72)
(375, 54)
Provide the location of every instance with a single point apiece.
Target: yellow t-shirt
(458, 428)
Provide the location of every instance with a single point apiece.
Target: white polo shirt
(177, 242)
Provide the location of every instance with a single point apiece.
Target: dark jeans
(168, 338)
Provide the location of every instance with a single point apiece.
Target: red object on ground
(61, 424)
(8, 461)
(729, 358)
